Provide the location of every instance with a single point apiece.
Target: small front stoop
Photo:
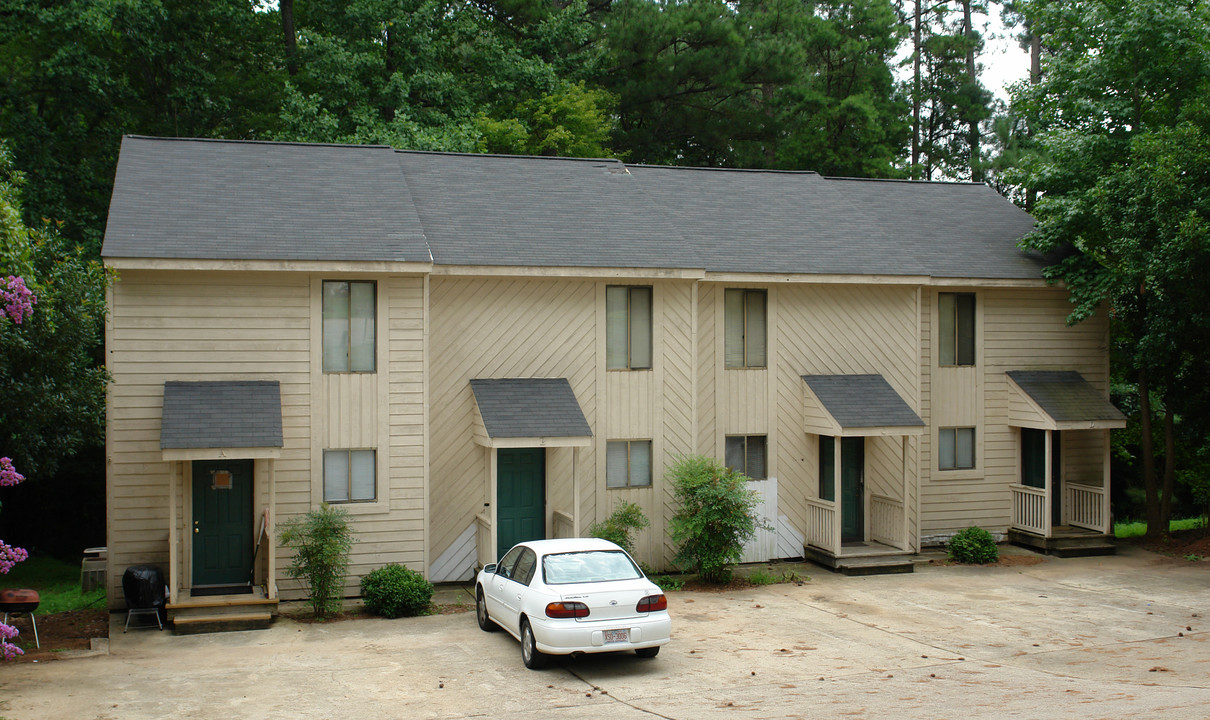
(221, 613)
(1066, 542)
(888, 564)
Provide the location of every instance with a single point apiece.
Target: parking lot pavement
(1122, 636)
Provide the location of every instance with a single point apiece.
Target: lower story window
(349, 476)
(628, 463)
(746, 454)
(956, 448)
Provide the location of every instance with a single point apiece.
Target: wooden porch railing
(483, 540)
(1086, 507)
(886, 521)
(821, 525)
(1029, 509)
(564, 525)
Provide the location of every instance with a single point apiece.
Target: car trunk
(607, 603)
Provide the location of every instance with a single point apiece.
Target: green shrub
(715, 517)
(393, 591)
(625, 519)
(321, 540)
(973, 545)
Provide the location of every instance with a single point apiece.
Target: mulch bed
(59, 632)
(1181, 544)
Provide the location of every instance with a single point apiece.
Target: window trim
(745, 293)
(629, 475)
(348, 452)
(974, 449)
(630, 362)
(764, 439)
(959, 349)
(349, 320)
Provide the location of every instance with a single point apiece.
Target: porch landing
(221, 613)
(1065, 541)
(869, 558)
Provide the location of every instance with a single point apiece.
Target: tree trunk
(916, 94)
(1150, 486)
(1035, 77)
(972, 76)
(286, 8)
(1169, 486)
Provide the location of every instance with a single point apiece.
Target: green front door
(852, 489)
(222, 522)
(1033, 467)
(520, 496)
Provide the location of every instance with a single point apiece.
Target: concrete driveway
(1120, 637)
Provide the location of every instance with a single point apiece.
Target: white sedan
(572, 596)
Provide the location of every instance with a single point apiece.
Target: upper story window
(348, 326)
(746, 453)
(627, 328)
(745, 333)
(956, 334)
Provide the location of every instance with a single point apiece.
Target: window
(349, 476)
(523, 571)
(744, 339)
(589, 566)
(746, 453)
(956, 335)
(348, 326)
(627, 328)
(628, 463)
(956, 448)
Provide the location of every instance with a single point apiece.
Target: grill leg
(32, 621)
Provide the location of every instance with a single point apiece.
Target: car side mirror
(489, 568)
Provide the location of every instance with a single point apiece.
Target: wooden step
(889, 564)
(192, 624)
(1082, 545)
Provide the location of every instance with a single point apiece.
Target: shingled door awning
(1058, 400)
(857, 405)
(216, 420)
(528, 412)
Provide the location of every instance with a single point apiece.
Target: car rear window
(588, 566)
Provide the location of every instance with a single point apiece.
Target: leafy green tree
(321, 540)
(626, 518)
(715, 516)
(1122, 161)
(572, 122)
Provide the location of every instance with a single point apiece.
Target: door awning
(216, 420)
(1058, 400)
(528, 412)
(856, 405)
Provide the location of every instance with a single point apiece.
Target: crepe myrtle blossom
(7, 649)
(8, 474)
(18, 299)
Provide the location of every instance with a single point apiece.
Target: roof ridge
(907, 181)
(260, 142)
(502, 156)
(771, 171)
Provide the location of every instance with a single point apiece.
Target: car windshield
(588, 566)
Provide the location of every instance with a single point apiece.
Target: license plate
(613, 636)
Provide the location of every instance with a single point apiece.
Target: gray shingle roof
(178, 198)
(227, 414)
(1065, 395)
(862, 401)
(529, 407)
(207, 199)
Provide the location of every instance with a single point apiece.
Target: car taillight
(567, 610)
(652, 603)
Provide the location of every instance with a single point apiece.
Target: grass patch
(57, 583)
(1124, 530)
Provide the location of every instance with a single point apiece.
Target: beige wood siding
(839, 329)
(196, 326)
(1021, 329)
(496, 328)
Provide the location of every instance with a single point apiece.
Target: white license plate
(613, 636)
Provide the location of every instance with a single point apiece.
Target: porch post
(906, 546)
(270, 541)
(1049, 489)
(1106, 519)
(837, 522)
(174, 586)
(491, 495)
(575, 491)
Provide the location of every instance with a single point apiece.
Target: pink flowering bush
(8, 474)
(18, 299)
(7, 649)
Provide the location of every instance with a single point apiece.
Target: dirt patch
(1181, 544)
(1004, 561)
(60, 632)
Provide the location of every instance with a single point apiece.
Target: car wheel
(534, 660)
(648, 652)
(485, 622)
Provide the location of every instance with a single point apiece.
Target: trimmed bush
(321, 540)
(715, 517)
(973, 545)
(395, 591)
(625, 519)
